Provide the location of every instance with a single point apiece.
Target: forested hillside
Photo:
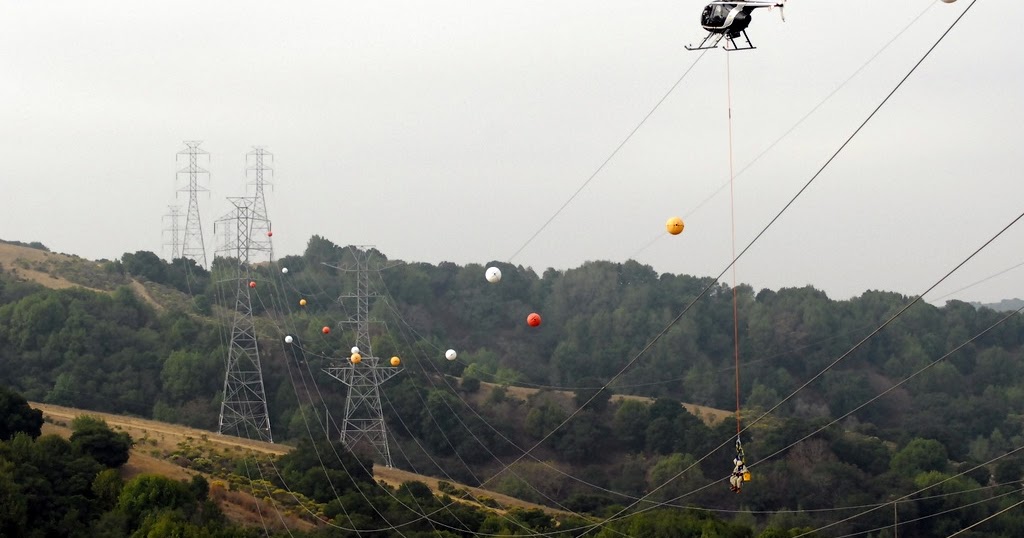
(113, 351)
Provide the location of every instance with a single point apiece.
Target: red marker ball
(252, 284)
(533, 320)
(326, 330)
(270, 234)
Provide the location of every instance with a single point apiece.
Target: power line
(792, 128)
(606, 161)
(764, 230)
(971, 526)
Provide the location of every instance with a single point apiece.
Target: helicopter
(729, 20)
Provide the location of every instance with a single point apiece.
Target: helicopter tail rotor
(782, 6)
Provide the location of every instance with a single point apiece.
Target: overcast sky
(451, 130)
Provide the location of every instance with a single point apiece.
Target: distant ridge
(1006, 305)
(34, 244)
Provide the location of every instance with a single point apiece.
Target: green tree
(674, 475)
(956, 497)
(666, 408)
(320, 250)
(107, 487)
(846, 390)
(187, 375)
(149, 493)
(534, 519)
(199, 487)
(16, 416)
(543, 419)
(660, 436)
(323, 470)
(762, 397)
(868, 453)
(145, 264)
(202, 305)
(583, 439)
(630, 424)
(55, 482)
(1008, 471)
(591, 395)
(470, 384)
(13, 502)
(441, 426)
(92, 436)
(920, 455)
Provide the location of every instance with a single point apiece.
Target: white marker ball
(288, 339)
(355, 349)
(284, 270)
(450, 354)
(493, 274)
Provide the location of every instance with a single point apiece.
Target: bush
(470, 384)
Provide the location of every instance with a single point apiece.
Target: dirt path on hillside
(395, 477)
(142, 292)
(140, 428)
(709, 415)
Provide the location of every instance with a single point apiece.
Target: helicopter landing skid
(712, 40)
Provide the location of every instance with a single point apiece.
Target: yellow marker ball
(395, 361)
(356, 358)
(674, 225)
(302, 302)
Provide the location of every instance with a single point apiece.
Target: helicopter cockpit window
(714, 15)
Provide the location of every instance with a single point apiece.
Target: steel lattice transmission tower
(256, 163)
(243, 412)
(364, 419)
(174, 216)
(192, 245)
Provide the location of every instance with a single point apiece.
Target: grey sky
(447, 130)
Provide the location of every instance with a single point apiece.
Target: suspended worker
(738, 470)
(740, 474)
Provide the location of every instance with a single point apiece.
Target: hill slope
(165, 436)
(61, 271)
(34, 265)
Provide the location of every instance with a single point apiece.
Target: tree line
(113, 352)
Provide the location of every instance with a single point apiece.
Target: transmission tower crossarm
(363, 418)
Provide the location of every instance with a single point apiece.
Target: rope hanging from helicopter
(740, 473)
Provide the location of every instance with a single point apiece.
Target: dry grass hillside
(154, 437)
(34, 265)
(709, 415)
(59, 271)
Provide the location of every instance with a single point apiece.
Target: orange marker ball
(533, 320)
(675, 225)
